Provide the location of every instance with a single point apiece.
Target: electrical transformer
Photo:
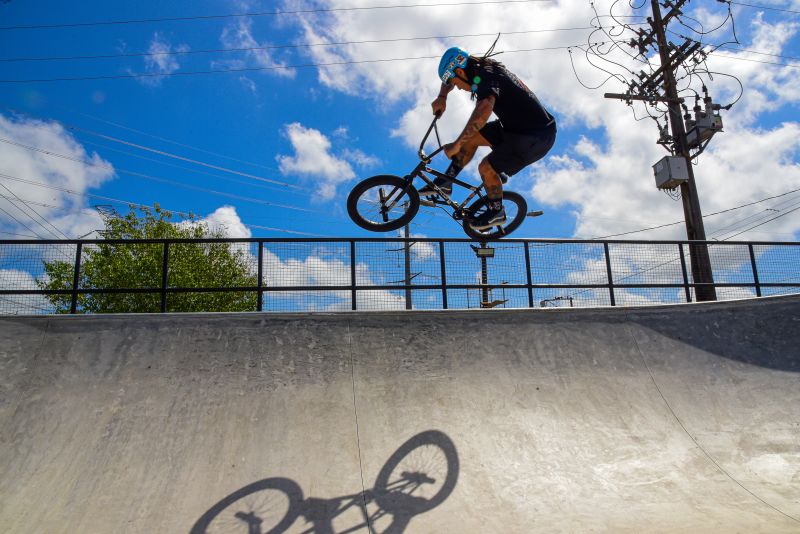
(671, 172)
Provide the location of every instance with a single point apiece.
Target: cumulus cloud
(313, 159)
(39, 179)
(319, 269)
(16, 280)
(605, 177)
(161, 60)
(226, 220)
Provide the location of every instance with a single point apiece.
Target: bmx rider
(524, 132)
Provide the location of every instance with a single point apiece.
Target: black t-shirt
(515, 105)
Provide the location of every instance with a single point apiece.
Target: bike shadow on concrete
(419, 476)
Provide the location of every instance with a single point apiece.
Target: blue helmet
(454, 58)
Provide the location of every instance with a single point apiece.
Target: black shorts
(512, 152)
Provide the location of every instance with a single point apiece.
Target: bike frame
(423, 169)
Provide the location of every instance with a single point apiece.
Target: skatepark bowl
(677, 418)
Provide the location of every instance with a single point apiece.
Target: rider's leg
(466, 154)
(457, 164)
(494, 214)
(492, 181)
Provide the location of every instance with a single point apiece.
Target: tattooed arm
(480, 115)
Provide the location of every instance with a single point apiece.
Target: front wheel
(383, 203)
(516, 209)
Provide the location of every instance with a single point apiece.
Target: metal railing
(94, 276)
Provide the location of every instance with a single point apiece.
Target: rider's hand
(450, 150)
(439, 105)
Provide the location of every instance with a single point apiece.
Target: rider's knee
(485, 168)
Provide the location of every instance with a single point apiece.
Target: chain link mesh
(376, 274)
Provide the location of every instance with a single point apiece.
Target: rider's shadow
(416, 478)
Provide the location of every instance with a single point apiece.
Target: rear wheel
(383, 203)
(516, 209)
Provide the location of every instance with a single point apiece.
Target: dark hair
(474, 63)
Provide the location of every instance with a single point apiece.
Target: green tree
(139, 265)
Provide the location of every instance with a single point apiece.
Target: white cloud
(21, 304)
(22, 166)
(313, 159)
(249, 84)
(316, 270)
(228, 221)
(359, 158)
(162, 62)
(239, 35)
(605, 179)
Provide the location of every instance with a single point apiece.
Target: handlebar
(427, 157)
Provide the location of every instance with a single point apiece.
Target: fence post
(755, 271)
(610, 278)
(444, 274)
(685, 274)
(528, 272)
(353, 275)
(76, 279)
(260, 299)
(164, 276)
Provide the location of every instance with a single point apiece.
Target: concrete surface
(680, 418)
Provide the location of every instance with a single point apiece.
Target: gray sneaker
(445, 185)
(489, 219)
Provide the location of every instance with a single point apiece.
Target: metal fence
(299, 275)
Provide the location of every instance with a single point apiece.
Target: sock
(496, 204)
(453, 169)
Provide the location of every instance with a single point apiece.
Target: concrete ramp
(675, 418)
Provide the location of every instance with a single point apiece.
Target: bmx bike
(387, 202)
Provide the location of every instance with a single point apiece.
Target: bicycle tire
(285, 486)
(520, 205)
(393, 499)
(358, 203)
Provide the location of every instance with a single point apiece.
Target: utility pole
(407, 250)
(664, 78)
(695, 231)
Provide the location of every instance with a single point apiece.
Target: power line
(328, 64)
(757, 216)
(181, 158)
(259, 69)
(129, 203)
(28, 228)
(705, 216)
(35, 203)
(285, 185)
(26, 214)
(118, 125)
(794, 66)
(18, 235)
(762, 223)
(157, 179)
(33, 210)
(187, 169)
(258, 14)
(286, 46)
(769, 8)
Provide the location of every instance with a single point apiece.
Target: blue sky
(269, 149)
